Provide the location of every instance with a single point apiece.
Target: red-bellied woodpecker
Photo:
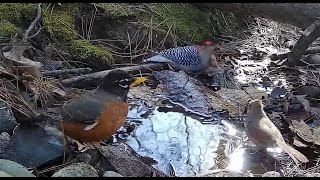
(191, 59)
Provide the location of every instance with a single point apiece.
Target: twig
(25, 36)
(92, 79)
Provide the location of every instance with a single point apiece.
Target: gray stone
(226, 173)
(32, 146)
(128, 165)
(111, 174)
(13, 169)
(4, 142)
(271, 174)
(77, 170)
(7, 120)
(5, 174)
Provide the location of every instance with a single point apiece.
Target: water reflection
(189, 146)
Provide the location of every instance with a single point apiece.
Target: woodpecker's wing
(187, 55)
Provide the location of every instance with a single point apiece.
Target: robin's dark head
(119, 82)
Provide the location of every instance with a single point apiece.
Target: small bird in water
(263, 133)
(191, 59)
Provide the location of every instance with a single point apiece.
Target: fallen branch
(312, 50)
(67, 71)
(32, 25)
(308, 36)
(90, 80)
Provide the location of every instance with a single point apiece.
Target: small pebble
(77, 170)
(271, 174)
(111, 174)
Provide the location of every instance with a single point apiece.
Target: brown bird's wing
(270, 129)
(87, 108)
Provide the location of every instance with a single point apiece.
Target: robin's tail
(293, 153)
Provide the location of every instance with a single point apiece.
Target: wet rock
(271, 174)
(12, 169)
(227, 173)
(77, 170)
(128, 165)
(184, 90)
(312, 59)
(311, 91)
(302, 174)
(83, 157)
(278, 92)
(290, 44)
(33, 146)
(111, 174)
(4, 142)
(7, 120)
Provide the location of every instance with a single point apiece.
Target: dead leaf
(302, 130)
(15, 55)
(59, 92)
(298, 143)
(234, 100)
(305, 132)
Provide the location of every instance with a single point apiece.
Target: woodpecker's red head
(207, 43)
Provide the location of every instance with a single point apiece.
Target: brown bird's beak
(138, 81)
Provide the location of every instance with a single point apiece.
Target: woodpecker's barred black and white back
(187, 55)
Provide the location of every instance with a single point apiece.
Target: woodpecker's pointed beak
(138, 81)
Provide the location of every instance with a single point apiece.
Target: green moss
(60, 23)
(87, 52)
(225, 22)
(189, 22)
(117, 9)
(13, 12)
(8, 29)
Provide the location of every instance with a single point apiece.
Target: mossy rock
(13, 12)
(118, 9)
(12, 16)
(96, 57)
(191, 23)
(188, 23)
(8, 29)
(60, 23)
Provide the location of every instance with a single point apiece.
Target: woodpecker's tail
(293, 153)
(157, 58)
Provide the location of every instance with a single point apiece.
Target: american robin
(96, 116)
(263, 133)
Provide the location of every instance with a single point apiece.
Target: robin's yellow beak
(138, 81)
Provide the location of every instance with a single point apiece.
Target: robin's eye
(124, 83)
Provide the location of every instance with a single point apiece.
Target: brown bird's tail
(293, 153)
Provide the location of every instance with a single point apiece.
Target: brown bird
(96, 116)
(263, 133)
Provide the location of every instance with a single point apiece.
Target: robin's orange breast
(107, 124)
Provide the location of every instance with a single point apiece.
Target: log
(311, 50)
(56, 73)
(90, 80)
